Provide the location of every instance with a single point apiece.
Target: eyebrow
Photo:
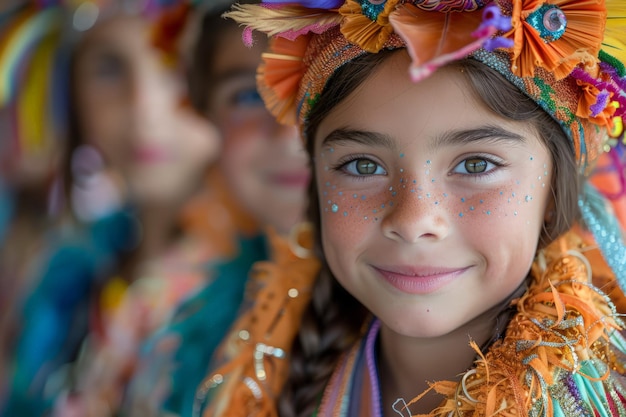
(486, 134)
(350, 136)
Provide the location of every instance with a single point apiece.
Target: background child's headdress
(567, 55)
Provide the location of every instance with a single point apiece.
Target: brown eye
(475, 165)
(365, 166)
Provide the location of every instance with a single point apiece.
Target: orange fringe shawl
(565, 326)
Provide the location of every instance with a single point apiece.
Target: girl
(452, 216)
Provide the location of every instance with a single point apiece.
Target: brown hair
(334, 319)
(201, 77)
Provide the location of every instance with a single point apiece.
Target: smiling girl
(457, 235)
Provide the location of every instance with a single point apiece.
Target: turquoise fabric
(54, 317)
(197, 328)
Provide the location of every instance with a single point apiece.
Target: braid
(330, 325)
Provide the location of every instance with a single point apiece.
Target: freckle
(414, 181)
(375, 219)
(391, 203)
(428, 310)
(528, 198)
(374, 211)
(345, 214)
(471, 208)
(501, 192)
(394, 194)
(363, 197)
(334, 208)
(382, 206)
(462, 199)
(412, 190)
(354, 195)
(481, 201)
(340, 192)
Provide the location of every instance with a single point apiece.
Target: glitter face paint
(406, 227)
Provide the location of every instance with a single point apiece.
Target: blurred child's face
(129, 107)
(263, 161)
(431, 205)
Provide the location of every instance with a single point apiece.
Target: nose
(414, 217)
(154, 97)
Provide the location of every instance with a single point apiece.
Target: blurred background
(140, 178)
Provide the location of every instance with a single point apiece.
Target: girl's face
(263, 161)
(129, 107)
(431, 205)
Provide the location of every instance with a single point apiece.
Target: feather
(288, 21)
(614, 42)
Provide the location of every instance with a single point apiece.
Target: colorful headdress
(567, 55)
(34, 57)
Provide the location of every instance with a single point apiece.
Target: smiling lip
(423, 280)
(150, 154)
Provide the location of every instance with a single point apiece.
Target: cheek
(348, 215)
(523, 199)
(104, 126)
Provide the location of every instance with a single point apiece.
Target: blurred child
(257, 184)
